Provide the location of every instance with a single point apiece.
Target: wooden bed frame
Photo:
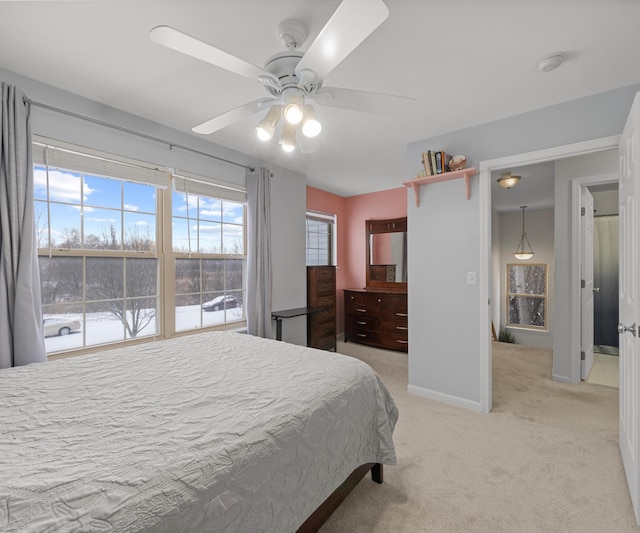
(322, 513)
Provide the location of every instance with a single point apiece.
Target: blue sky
(131, 206)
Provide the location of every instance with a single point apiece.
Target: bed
(214, 431)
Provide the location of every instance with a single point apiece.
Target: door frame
(485, 259)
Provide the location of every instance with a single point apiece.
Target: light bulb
(288, 138)
(265, 133)
(293, 112)
(310, 126)
(267, 126)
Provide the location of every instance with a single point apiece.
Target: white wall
(288, 189)
(444, 329)
(539, 228)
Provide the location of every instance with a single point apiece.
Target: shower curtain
(605, 276)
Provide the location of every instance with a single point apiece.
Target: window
(527, 296)
(101, 253)
(208, 242)
(320, 231)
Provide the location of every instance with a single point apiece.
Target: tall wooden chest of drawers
(377, 318)
(321, 292)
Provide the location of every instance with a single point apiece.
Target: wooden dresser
(377, 318)
(321, 292)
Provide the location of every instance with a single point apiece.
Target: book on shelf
(426, 163)
(435, 162)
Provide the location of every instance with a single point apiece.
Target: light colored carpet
(545, 460)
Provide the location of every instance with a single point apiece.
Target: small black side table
(290, 313)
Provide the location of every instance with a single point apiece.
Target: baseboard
(563, 379)
(445, 398)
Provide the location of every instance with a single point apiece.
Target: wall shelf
(465, 173)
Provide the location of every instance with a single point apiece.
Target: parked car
(221, 302)
(59, 326)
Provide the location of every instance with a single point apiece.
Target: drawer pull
(402, 328)
(361, 310)
(362, 323)
(402, 314)
(360, 334)
(402, 342)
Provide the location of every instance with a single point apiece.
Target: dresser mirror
(387, 253)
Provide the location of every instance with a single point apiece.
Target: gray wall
(444, 347)
(288, 189)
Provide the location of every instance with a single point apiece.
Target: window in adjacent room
(527, 296)
(320, 238)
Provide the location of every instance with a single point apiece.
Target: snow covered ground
(103, 329)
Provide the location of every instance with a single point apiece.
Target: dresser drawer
(396, 328)
(365, 298)
(395, 342)
(326, 288)
(362, 323)
(325, 300)
(360, 309)
(394, 314)
(362, 335)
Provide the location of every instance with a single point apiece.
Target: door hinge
(582, 356)
(583, 284)
(583, 211)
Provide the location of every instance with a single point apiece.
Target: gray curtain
(605, 276)
(259, 253)
(21, 331)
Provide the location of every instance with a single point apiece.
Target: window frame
(148, 174)
(543, 296)
(332, 248)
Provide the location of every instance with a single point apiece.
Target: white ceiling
(466, 62)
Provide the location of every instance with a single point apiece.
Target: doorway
(605, 368)
(566, 343)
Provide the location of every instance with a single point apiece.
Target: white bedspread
(210, 432)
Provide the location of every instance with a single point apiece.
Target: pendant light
(508, 180)
(524, 250)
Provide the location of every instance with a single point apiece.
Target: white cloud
(63, 186)
(131, 207)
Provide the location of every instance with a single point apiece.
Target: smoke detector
(550, 62)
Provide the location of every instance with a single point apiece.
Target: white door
(586, 275)
(629, 305)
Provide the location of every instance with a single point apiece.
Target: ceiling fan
(293, 78)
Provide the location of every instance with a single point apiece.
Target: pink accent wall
(351, 213)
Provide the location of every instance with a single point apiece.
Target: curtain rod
(133, 132)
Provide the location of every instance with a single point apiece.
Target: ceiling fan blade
(350, 24)
(228, 118)
(365, 101)
(181, 42)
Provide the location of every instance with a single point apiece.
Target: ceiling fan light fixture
(293, 110)
(524, 250)
(310, 124)
(288, 138)
(266, 128)
(508, 180)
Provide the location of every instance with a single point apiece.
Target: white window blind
(213, 188)
(68, 156)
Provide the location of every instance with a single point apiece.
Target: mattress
(209, 432)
